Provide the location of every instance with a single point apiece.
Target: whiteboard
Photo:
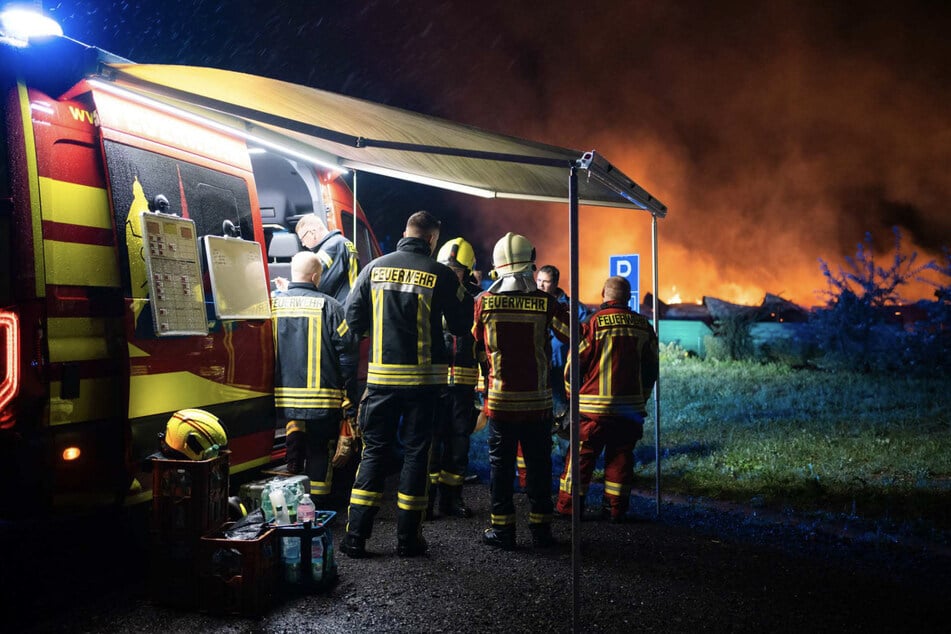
(239, 282)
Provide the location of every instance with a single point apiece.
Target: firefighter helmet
(195, 434)
(513, 253)
(457, 253)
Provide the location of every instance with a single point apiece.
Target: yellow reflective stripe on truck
(170, 391)
(98, 399)
(80, 338)
(29, 142)
(75, 204)
(75, 264)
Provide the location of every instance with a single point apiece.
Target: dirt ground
(693, 568)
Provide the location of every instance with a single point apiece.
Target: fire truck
(137, 244)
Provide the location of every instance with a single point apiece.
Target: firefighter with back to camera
(316, 355)
(400, 300)
(618, 366)
(511, 329)
(455, 417)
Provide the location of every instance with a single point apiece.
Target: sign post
(628, 267)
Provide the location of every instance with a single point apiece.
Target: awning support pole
(657, 384)
(355, 241)
(575, 378)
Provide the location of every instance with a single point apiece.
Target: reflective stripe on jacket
(512, 334)
(618, 359)
(315, 352)
(400, 300)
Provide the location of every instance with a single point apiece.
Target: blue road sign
(628, 267)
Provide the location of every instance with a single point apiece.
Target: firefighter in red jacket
(456, 416)
(400, 300)
(618, 368)
(511, 329)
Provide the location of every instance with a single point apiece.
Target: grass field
(878, 446)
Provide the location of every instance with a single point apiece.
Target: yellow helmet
(457, 252)
(195, 434)
(513, 253)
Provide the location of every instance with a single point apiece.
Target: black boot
(354, 547)
(500, 536)
(541, 536)
(412, 548)
(450, 502)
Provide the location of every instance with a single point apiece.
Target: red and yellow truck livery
(85, 382)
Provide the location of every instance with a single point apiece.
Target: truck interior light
(426, 180)
(220, 127)
(71, 453)
(19, 24)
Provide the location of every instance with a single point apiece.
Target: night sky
(776, 132)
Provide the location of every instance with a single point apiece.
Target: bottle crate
(309, 576)
(189, 497)
(237, 576)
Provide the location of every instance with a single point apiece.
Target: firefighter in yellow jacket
(618, 368)
(400, 300)
(316, 354)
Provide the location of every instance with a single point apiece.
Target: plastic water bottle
(317, 558)
(266, 507)
(306, 510)
(290, 554)
(280, 506)
(293, 493)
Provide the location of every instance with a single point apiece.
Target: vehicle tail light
(10, 359)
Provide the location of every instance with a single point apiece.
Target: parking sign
(628, 267)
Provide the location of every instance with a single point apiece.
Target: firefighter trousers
(616, 436)
(381, 411)
(455, 420)
(321, 441)
(535, 440)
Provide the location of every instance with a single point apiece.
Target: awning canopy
(365, 136)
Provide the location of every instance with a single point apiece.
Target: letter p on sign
(628, 267)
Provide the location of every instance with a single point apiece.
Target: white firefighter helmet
(195, 434)
(457, 253)
(512, 254)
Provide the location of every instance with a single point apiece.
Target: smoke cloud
(776, 132)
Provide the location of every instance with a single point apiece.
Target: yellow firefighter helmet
(513, 254)
(195, 434)
(457, 253)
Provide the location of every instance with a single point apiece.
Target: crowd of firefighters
(438, 343)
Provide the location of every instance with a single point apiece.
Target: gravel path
(696, 568)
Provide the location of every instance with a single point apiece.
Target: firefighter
(401, 300)
(316, 355)
(512, 321)
(455, 417)
(618, 368)
(338, 256)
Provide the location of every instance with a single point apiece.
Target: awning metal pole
(575, 378)
(355, 243)
(657, 384)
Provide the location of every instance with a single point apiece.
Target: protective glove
(345, 444)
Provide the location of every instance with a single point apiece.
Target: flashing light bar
(10, 383)
(425, 180)
(19, 24)
(220, 127)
